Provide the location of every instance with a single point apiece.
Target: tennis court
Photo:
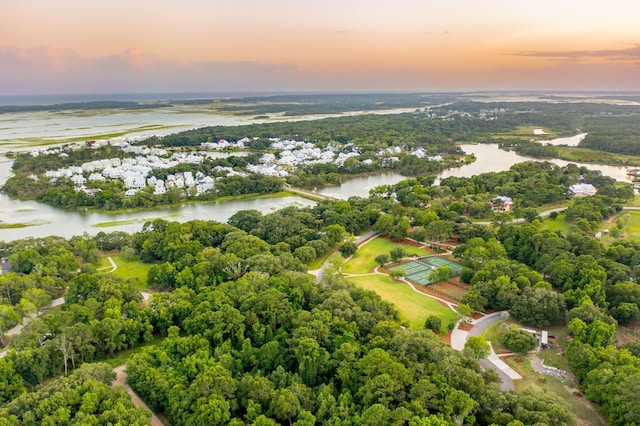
(418, 270)
(438, 261)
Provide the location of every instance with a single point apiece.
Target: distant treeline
(559, 108)
(374, 132)
(619, 134)
(81, 106)
(292, 105)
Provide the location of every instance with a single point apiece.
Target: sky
(122, 46)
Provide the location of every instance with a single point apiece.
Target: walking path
(360, 240)
(121, 380)
(113, 265)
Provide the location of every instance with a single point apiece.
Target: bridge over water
(308, 194)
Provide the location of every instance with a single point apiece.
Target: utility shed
(544, 339)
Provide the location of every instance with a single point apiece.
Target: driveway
(459, 338)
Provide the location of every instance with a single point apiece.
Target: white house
(160, 188)
(583, 189)
(96, 177)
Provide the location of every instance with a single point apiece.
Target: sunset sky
(117, 46)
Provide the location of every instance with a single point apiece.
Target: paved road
(18, 328)
(481, 324)
(459, 338)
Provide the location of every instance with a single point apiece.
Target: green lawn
(414, 308)
(492, 334)
(317, 263)
(526, 132)
(364, 259)
(631, 226)
(558, 224)
(633, 223)
(126, 269)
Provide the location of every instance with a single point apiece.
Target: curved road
(459, 338)
(359, 241)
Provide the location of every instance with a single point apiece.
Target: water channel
(489, 158)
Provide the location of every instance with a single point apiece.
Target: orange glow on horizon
(487, 43)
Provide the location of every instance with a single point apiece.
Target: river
(489, 158)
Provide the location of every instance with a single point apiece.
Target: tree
(626, 312)
(348, 249)
(440, 274)
(382, 258)
(439, 230)
(538, 306)
(333, 234)
(475, 300)
(247, 220)
(284, 405)
(518, 340)
(11, 383)
(397, 273)
(9, 318)
(477, 347)
(38, 297)
(25, 261)
(384, 223)
(465, 311)
(419, 233)
(397, 253)
(433, 323)
(305, 254)
(75, 399)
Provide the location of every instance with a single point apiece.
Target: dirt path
(121, 380)
(113, 265)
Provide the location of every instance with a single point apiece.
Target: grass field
(494, 331)
(630, 220)
(126, 269)
(558, 224)
(364, 259)
(526, 132)
(413, 307)
(633, 224)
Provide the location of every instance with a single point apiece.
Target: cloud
(629, 54)
(47, 70)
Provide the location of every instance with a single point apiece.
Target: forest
(238, 333)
